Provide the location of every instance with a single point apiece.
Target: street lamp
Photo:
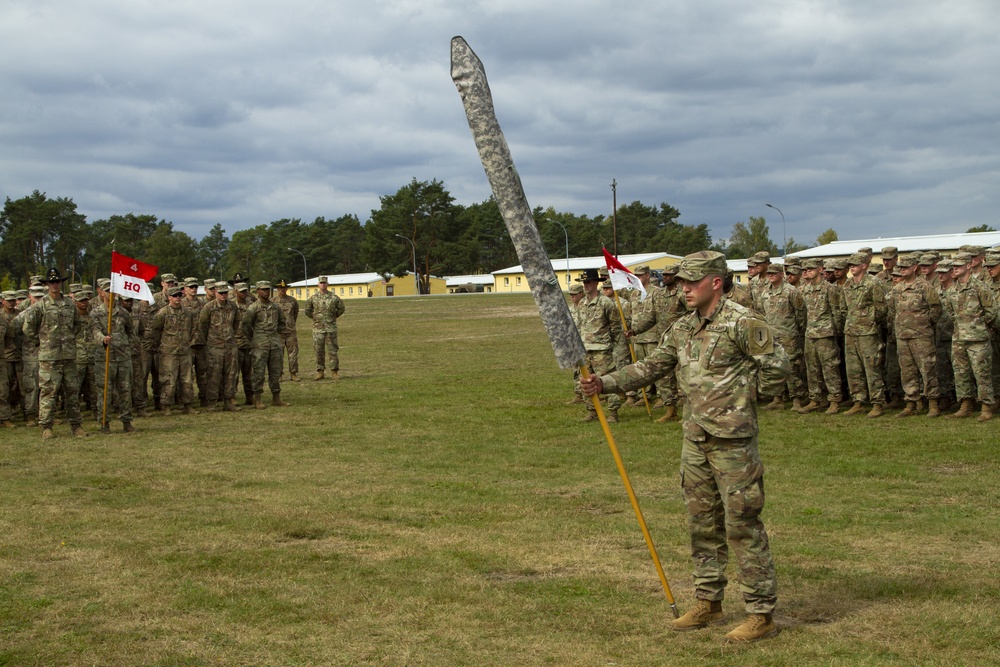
(416, 280)
(784, 238)
(304, 269)
(566, 234)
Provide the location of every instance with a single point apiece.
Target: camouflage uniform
(866, 313)
(825, 321)
(600, 327)
(261, 324)
(323, 310)
(29, 374)
(993, 259)
(652, 318)
(944, 330)
(289, 337)
(11, 355)
(119, 381)
(219, 322)
(917, 307)
(722, 362)
(173, 333)
(199, 359)
(785, 312)
(55, 323)
(139, 398)
(5, 411)
(244, 354)
(974, 312)
(150, 358)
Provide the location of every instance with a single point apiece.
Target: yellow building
(512, 280)
(363, 285)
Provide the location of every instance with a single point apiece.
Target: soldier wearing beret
(724, 356)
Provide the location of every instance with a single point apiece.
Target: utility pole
(614, 214)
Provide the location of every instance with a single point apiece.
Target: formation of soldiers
(58, 348)
(918, 332)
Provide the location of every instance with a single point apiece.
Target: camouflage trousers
(221, 373)
(326, 343)
(176, 378)
(29, 390)
(722, 483)
(865, 368)
(796, 382)
(15, 369)
(601, 362)
(973, 363)
(119, 389)
(199, 361)
(139, 397)
(918, 367)
(151, 373)
(4, 392)
(55, 377)
(244, 359)
(893, 382)
(267, 360)
(86, 385)
(823, 368)
(623, 356)
(290, 342)
(945, 372)
(666, 387)
(995, 347)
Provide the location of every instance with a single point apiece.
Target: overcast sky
(874, 118)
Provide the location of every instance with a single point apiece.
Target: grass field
(442, 505)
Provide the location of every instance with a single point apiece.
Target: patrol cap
(209, 284)
(793, 269)
(828, 265)
(840, 263)
(961, 259)
(946, 265)
(928, 259)
(175, 291)
(35, 280)
(74, 287)
(857, 259)
(83, 295)
(896, 271)
(168, 278)
(762, 257)
(904, 261)
(607, 285)
(889, 252)
(37, 290)
(866, 250)
(222, 287)
(875, 268)
(976, 250)
(103, 283)
(812, 263)
(640, 270)
(242, 287)
(672, 270)
(697, 265)
(191, 282)
(21, 294)
(576, 289)
(793, 261)
(775, 268)
(8, 295)
(992, 259)
(324, 280)
(263, 284)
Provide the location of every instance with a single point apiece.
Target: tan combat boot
(658, 403)
(128, 428)
(257, 402)
(295, 377)
(775, 404)
(918, 406)
(811, 407)
(909, 411)
(6, 423)
(591, 417)
(986, 414)
(166, 410)
(276, 400)
(319, 375)
(832, 410)
(631, 400)
(47, 434)
(754, 628)
(230, 406)
(965, 411)
(188, 410)
(933, 409)
(334, 375)
(576, 400)
(612, 416)
(701, 615)
(797, 405)
(80, 433)
(877, 411)
(856, 409)
(669, 415)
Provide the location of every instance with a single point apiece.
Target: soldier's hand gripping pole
(470, 78)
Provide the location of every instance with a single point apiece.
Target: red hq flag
(129, 276)
(621, 277)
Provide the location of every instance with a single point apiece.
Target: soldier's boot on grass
(249, 399)
(166, 411)
(702, 614)
(47, 434)
(295, 377)
(141, 413)
(919, 407)
(229, 405)
(591, 417)
(6, 423)
(188, 410)
(986, 414)
(257, 402)
(210, 407)
(79, 432)
(658, 403)
(334, 375)
(612, 416)
(834, 407)
(669, 415)
(631, 401)
(908, 411)
(933, 408)
(576, 400)
(812, 406)
(127, 427)
(276, 400)
(856, 409)
(775, 404)
(319, 375)
(966, 409)
(797, 405)
(754, 628)
(877, 411)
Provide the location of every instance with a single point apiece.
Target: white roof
(903, 244)
(740, 265)
(342, 279)
(581, 263)
(478, 279)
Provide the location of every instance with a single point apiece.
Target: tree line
(38, 232)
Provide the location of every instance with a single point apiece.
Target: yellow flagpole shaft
(584, 373)
(621, 314)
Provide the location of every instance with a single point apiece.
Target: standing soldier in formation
(866, 313)
(173, 334)
(974, 312)
(244, 356)
(623, 357)
(785, 313)
(724, 356)
(219, 322)
(150, 356)
(825, 322)
(86, 353)
(917, 308)
(29, 356)
(757, 277)
(600, 328)
(652, 317)
(118, 344)
(323, 308)
(55, 322)
(945, 329)
(289, 337)
(192, 303)
(992, 264)
(261, 324)
(5, 407)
